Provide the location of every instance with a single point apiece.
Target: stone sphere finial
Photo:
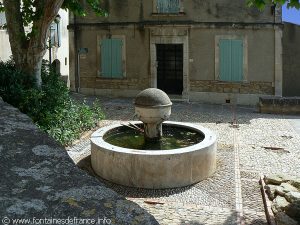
(152, 97)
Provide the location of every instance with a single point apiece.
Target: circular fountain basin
(154, 169)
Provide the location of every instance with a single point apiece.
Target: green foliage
(76, 7)
(32, 10)
(262, 3)
(1, 7)
(50, 107)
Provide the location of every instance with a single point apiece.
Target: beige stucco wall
(197, 27)
(201, 62)
(136, 59)
(260, 52)
(193, 10)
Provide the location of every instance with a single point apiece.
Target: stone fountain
(153, 153)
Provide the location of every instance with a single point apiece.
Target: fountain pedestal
(152, 107)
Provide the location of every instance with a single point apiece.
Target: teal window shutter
(168, 6)
(237, 60)
(116, 58)
(106, 58)
(225, 60)
(111, 58)
(231, 60)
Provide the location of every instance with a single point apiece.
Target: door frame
(170, 35)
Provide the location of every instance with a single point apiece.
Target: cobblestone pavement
(232, 195)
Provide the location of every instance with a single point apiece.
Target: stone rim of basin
(209, 139)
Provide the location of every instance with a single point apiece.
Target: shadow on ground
(123, 109)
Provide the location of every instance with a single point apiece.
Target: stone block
(275, 179)
(293, 210)
(279, 204)
(288, 188)
(283, 219)
(293, 196)
(270, 190)
(295, 182)
(279, 105)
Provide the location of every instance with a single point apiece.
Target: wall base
(221, 98)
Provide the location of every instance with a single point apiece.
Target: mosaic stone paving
(232, 195)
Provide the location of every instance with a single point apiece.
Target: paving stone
(255, 218)
(251, 195)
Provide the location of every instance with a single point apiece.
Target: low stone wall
(279, 105)
(255, 87)
(122, 84)
(284, 193)
(39, 182)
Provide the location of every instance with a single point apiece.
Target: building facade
(58, 53)
(212, 51)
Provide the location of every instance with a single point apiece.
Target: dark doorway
(56, 66)
(170, 68)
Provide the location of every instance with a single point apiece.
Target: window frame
(245, 56)
(99, 58)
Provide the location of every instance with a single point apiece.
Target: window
(55, 34)
(111, 58)
(231, 60)
(168, 6)
(2, 19)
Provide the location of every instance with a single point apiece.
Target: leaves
(294, 4)
(50, 107)
(261, 4)
(1, 7)
(76, 7)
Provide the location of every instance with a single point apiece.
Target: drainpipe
(50, 47)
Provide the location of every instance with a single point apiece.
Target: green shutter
(174, 6)
(231, 60)
(111, 58)
(237, 60)
(116, 58)
(225, 60)
(168, 6)
(106, 58)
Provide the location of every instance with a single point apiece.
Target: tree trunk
(32, 64)
(28, 50)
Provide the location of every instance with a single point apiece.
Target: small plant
(50, 107)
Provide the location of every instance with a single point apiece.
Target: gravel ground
(213, 201)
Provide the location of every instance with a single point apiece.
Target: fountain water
(165, 155)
